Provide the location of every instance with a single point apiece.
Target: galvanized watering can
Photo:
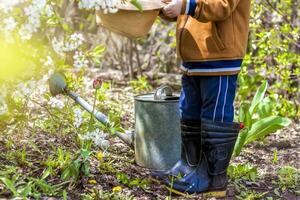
(156, 139)
(157, 130)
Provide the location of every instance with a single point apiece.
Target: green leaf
(65, 195)
(248, 120)
(66, 174)
(245, 116)
(8, 171)
(123, 178)
(47, 172)
(26, 190)
(259, 96)
(265, 108)
(137, 5)
(275, 157)
(85, 153)
(98, 50)
(134, 182)
(242, 112)
(242, 171)
(276, 191)
(9, 184)
(86, 168)
(264, 127)
(240, 142)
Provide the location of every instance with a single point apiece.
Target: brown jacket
(217, 31)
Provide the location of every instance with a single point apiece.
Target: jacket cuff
(190, 7)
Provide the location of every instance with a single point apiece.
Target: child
(211, 42)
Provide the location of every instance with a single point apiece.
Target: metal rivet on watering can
(157, 129)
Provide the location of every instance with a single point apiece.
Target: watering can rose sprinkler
(58, 85)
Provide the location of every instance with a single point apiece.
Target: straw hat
(129, 21)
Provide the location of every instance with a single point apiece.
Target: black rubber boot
(210, 175)
(190, 151)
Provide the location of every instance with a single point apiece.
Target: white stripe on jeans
(225, 99)
(217, 102)
(187, 8)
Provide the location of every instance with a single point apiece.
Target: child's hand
(173, 9)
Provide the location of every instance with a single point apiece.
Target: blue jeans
(208, 97)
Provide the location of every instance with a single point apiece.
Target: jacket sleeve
(209, 10)
(161, 15)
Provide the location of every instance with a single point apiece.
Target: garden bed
(28, 153)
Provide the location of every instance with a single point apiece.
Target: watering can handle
(163, 91)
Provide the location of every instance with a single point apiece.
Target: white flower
(32, 90)
(25, 32)
(57, 46)
(3, 106)
(78, 117)
(10, 24)
(80, 60)
(49, 62)
(87, 82)
(276, 18)
(7, 5)
(105, 5)
(56, 103)
(33, 23)
(75, 41)
(49, 10)
(77, 37)
(25, 89)
(98, 137)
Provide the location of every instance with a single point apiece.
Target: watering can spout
(58, 85)
(127, 137)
